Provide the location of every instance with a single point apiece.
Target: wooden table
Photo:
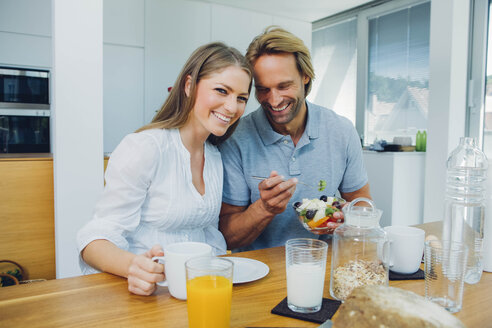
(102, 300)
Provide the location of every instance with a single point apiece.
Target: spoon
(321, 185)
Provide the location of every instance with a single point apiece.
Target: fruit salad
(320, 216)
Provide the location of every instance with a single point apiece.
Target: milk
(305, 284)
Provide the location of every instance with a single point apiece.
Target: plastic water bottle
(465, 203)
(487, 231)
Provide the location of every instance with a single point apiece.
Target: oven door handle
(24, 112)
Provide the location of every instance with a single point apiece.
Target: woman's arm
(141, 271)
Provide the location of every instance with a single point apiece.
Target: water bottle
(487, 230)
(465, 203)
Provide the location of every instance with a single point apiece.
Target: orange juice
(209, 302)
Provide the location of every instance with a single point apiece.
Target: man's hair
(275, 40)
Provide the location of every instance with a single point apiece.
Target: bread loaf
(387, 307)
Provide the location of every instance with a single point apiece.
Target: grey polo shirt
(329, 150)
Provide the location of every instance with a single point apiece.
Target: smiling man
(284, 140)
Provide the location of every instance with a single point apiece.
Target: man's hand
(143, 273)
(241, 225)
(275, 193)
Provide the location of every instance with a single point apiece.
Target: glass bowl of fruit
(320, 216)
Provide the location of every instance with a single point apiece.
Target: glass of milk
(305, 264)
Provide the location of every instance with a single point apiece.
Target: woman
(164, 182)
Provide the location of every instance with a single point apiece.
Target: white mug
(406, 248)
(175, 256)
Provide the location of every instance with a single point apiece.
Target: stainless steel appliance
(24, 110)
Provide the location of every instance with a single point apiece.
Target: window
(479, 110)
(372, 66)
(334, 58)
(487, 126)
(398, 74)
(487, 120)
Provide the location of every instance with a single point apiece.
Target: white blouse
(149, 197)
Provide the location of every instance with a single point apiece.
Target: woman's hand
(143, 273)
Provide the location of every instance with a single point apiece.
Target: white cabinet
(124, 22)
(31, 17)
(173, 29)
(123, 69)
(25, 50)
(25, 33)
(396, 180)
(237, 27)
(123, 93)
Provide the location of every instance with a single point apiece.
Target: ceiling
(304, 10)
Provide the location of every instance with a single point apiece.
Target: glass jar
(360, 250)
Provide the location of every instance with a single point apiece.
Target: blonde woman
(164, 182)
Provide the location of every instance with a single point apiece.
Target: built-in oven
(24, 110)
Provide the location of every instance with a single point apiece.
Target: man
(287, 139)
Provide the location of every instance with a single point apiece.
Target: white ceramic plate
(246, 270)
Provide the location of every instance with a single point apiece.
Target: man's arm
(241, 225)
(362, 192)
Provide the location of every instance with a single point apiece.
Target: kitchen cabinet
(397, 180)
(25, 50)
(173, 29)
(27, 231)
(25, 33)
(123, 22)
(123, 69)
(246, 25)
(123, 87)
(26, 17)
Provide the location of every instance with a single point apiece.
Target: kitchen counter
(26, 156)
(397, 180)
(27, 212)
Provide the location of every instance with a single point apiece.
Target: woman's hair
(204, 61)
(275, 40)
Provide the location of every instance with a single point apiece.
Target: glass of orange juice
(209, 291)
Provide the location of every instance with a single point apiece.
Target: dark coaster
(412, 276)
(328, 309)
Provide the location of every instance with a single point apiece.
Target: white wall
(448, 63)
(77, 113)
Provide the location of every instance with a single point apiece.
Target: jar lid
(362, 216)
